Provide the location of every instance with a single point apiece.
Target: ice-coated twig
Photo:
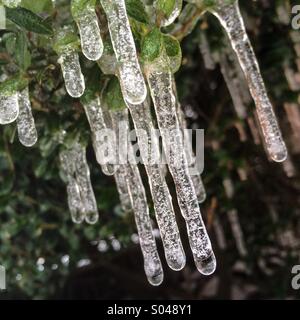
(161, 88)
(164, 211)
(25, 122)
(121, 182)
(131, 78)
(97, 121)
(83, 180)
(152, 263)
(9, 108)
(74, 198)
(87, 23)
(230, 17)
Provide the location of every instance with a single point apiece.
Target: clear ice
(160, 83)
(25, 122)
(97, 121)
(9, 108)
(175, 13)
(152, 263)
(90, 37)
(230, 17)
(74, 80)
(83, 179)
(131, 78)
(162, 200)
(74, 198)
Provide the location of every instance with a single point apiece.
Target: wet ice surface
(131, 78)
(152, 263)
(74, 80)
(161, 197)
(9, 108)
(175, 13)
(91, 42)
(25, 122)
(232, 21)
(160, 83)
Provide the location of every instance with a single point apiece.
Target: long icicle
(164, 211)
(85, 187)
(9, 108)
(74, 199)
(25, 122)
(152, 263)
(230, 17)
(131, 78)
(160, 83)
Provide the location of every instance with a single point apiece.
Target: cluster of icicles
(190, 190)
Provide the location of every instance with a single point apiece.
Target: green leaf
(66, 39)
(29, 20)
(137, 11)
(173, 51)
(152, 45)
(22, 53)
(113, 97)
(38, 6)
(165, 6)
(79, 6)
(12, 85)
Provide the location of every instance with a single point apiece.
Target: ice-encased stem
(74, 80)
(152, 263)
(9, 108)
(96, 119)
(131, 78)
(160, 83)
(74, 198)
(83, 179)
(161, 197)
(25, 122)
(121, 182)
(232, 21)
(90, 37)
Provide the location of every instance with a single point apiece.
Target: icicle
(25, 122)
(160, 83)
(131, 78)
(175, 13)
(121, 182)
(162, 200)
(96, 118)
(237, 231)
(9, 108)
(231, 19)
(196, 178)
(152, 263)
(74, 80)
(90, 37)
(84, 183)
(74, 199)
